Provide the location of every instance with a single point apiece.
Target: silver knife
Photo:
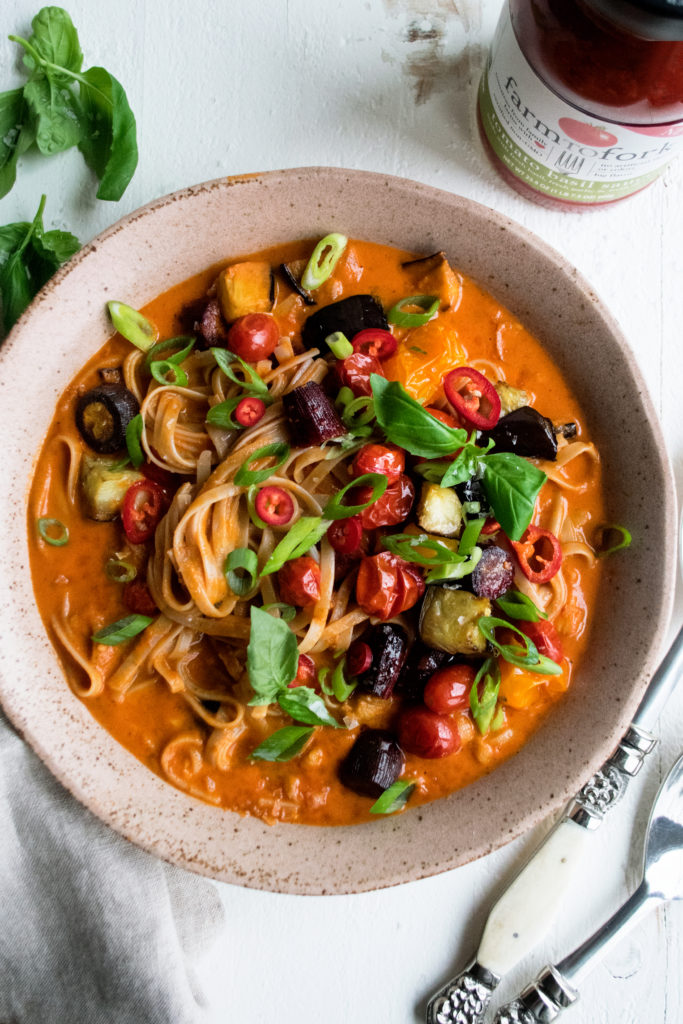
(525, 911)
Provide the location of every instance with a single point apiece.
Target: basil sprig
(61, 106)
(121, 630)
(512, 485)
(306, 532)
(284, 744)
(305, 705)
(407, 424)
(393, 798)
(517, 605)
(526, 656)
(483, 705)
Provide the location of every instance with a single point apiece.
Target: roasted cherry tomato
(490, 527)
(306, 673)
(143, 507)
(380, 458)
(423, 732)
(358, 658)
(392, 508)
(254, 336)
(137, 598)
(169, 481)
(473, 397)
(545, 636)
(274, 505)
(443, 417)
(249, 411)
(373, 341)
(299, 581)
(449, 689)
(345, 535)
(354, 372)
(387, 586)
(539, 554)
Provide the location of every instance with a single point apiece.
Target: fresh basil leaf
(122, 630)
(15, 136)
(306, 532)
(512, 485)
(55, 115)
(466, 464)
(46, 253)
(108, 141)
(272, 656)
(393, 798)
(16, 290)
(483, 706)
(517, 605)
(408, 425)
(284, 744)
(304, 705)
(55, 39)
(11, 237)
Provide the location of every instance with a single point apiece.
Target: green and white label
(557, 149)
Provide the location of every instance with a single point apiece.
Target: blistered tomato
(422, 732)
(449, 689)
(387, 586)
(306, 673)
(345, 535)
(354, 372)
(380, 458)
(545, 636)
(392, 508)
(254, 336)
(299, 581)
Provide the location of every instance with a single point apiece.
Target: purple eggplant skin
(524, 432)
(373, 763)
(420, 665)
(493, 573)
(311, 416)
(389, 645)
(291, 280)
(349, 316)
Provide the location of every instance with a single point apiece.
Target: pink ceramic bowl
(166, 242)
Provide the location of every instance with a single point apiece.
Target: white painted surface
(248, 85)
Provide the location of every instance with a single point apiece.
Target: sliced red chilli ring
(274, 505)
(373, 341)
(249, 411)
(539, 554)
(473, 397)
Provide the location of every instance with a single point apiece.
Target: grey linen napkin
(92, 929)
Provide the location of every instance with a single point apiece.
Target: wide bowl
(175, 237)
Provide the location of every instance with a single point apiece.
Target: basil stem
(525, 657)
(245, 476)
(53, 531)
(134, 327)
(323, 260)
(305, 533)
(399, 315)
(121, 630)
(284, 744)
(394, 798)
(335, 509)
(241, 567)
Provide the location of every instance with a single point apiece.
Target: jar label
(555, 148)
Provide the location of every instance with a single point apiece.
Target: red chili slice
(249, 411)
(473, 397)
(274, 505)
(373, 341)
(345, 535)
(358, 658)
(539, 554)
(490, 526)
(306, 673)
(143, 507)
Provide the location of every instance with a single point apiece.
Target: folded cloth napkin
(92, 929)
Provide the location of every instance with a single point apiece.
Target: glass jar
(581, 101)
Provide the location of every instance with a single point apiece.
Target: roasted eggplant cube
(245, 288)
(373, 763)
(104, 487)
(389, 645)
(511, 398)
(472, 490)
(102, 415)
(420, 665)
(449, 620)
(433, 276)
(348, 316)
(311, 416)
(439, 510)
(524, 432)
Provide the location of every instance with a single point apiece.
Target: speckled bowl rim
(554, 300)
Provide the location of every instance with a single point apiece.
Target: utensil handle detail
(464, 999)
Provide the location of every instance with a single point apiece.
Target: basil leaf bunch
(62, 106)
(512, 483)
(29, 256)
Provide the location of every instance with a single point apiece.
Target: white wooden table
(385, 85)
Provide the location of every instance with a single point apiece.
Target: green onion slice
(306, 532)
(134, 440)
(119, 571)
(323, 261)
(221, 415)
(241, 568)
(53, 531)
(284, 744)
(134, 327)
(622, 539)
(394, 798)
(342, 688)
(416, 548)
(339, 345)
(323, 673)
(246, 476)
(287, 611)
(483, 706)
(251, 383)
(399, 315)
(517, 605)
(470, 536)
(334, 509)
(455, 570)
(251, 508)
(160, 370)
(526, 657)
(183, 340)
(121, 630)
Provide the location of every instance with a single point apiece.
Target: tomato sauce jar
(581, 101)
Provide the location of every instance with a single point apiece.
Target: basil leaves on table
(512, 483)
(62, 106)
(29, 256)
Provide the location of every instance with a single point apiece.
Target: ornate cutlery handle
(465, 998)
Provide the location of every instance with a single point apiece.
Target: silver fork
(554, 988)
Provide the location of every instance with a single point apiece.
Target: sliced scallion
(134, 440)
(517, 605)
(246, 476)
(339, 345)
(184, 341)
(161, 368)
(394, 798)
(622, 539)
(53, 531)
(305, 533)
(134, 327)
(417, 547)
(323, 260)
(402, 317)
(526, 656)
(483, 706)
(251, 383)
(342, 688)
(121, 630)
(335, 509)
(221, 415)
(119, 571)
(241, 568)
(470, 536)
